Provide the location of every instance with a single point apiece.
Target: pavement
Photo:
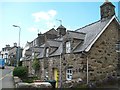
(6, 77)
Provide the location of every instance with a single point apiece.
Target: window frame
(47, 52)
(69, 74)
(68, 46)
(117, 47)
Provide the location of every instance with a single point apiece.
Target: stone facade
(95, 43)
(13, 55)
(102, 59)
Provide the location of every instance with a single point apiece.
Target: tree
(36, 64)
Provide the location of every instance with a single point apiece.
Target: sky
(36, 16)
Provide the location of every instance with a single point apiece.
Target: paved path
(6, 78)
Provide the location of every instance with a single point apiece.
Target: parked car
(2, 63)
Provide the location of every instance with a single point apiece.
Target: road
(6, 79)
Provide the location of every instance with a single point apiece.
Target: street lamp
(18, 44)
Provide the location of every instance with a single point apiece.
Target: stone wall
(103, 57)
(69, 60)
(28, 64)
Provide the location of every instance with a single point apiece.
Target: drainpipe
(87, 67)
(60, 71)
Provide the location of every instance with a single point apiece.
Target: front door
(56, 76)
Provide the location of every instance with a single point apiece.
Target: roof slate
(53, 43)
(58, 51)
(87, 33)
(92, 31)
(75, 35)
(51, 31)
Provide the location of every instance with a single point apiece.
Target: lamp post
(18, 44)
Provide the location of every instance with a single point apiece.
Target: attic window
(47, 52)
(118, 47)
(68, 47)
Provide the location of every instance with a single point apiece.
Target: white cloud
(33, 29)
(46, 20)
(52, 13)
(44, 15)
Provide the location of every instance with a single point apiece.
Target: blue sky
(34, 17)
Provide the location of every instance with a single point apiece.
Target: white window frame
(69, 74)
(47, 52)
(118, 47)
(68, 47)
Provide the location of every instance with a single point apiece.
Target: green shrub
(36, 64)
(21, 72)
(30, 79)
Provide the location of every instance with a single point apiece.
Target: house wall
(28, 64)
(67, 60)
(103, 57)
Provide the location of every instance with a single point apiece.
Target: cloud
(33, 29)
(44, 15)
(52, 13)
(46, 20)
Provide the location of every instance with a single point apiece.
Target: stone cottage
(33, 48)
(89, 53)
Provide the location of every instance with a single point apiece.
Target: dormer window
(68, 47)
(118, 47)
(47, 52)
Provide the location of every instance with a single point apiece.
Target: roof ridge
(87, 25)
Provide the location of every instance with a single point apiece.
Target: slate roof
(92, 31)
(42, 52)
(37, 49)
(58, 51)
(89, 34)
(28, 52)
(75, 35)
(53, 43)
(43, 45)
(50, 43)
(51, 31)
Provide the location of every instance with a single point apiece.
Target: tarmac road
(6, 78)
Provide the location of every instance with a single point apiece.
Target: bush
(30, 79)
(36, 64)
(21, 72)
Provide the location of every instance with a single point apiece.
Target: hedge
(21, 72)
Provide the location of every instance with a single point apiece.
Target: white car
(42, 85)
